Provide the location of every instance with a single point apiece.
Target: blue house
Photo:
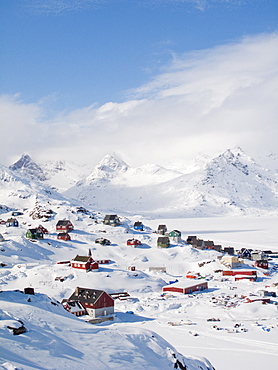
(245, 253)
(12, 222)
(138, 226)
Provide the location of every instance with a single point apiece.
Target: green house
(163, 242)
(34, 234)
(175, 235)
(112, 220)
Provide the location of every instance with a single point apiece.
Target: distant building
(186, 286)
(34, 234)
(138, 226)
(162, 229)
(86, 263)
(63, 236)
(133, 242)
(175, 235)
(163, 242)
(112, 220)
(12, 222)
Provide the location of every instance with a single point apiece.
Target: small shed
(112, 220)
(133, 242)
(29, 291)
(175, 235)
(74, 307)
(162, 229)
(186, 286)
(63, 236)
(138, 226)
(163, 242)
(64, 226)
(12, 222)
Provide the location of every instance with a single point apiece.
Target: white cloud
(206, 101)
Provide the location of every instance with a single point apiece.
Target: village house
(198, 244)
(12, 222)
(175, 235)
(217, 248)
(209, 244)
(258, 255)
(34, 234)
(229, 250)
(133, 242)
(42, 229)
(191, 239)
(96, 302)
(63, 236)
(162, 229)
(231, 261)
(163, 242)
(263, 264)
(138, 226)
(64, 226)
(112, 220)
(186, 286)
(86, 263)
(245, 253)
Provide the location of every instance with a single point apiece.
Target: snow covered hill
(232, 183)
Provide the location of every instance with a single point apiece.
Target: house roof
(35, 231)
(163, 239)
(186, 283)
(110, 217)
(162, 227)
(63, 222)
(81, 258)
(137, 223)
(86, 295)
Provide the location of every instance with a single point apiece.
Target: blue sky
(61, 59)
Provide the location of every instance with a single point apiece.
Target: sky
(153, 81)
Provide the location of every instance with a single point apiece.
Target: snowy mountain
(25, 166)
(232, 183)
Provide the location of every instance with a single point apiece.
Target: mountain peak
(26, 166)
(112, 163)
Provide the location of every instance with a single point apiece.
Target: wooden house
(186, 286)
(12, 222)
(112, 220)
(191, 239)
(258, 256)
(133, 242)
(29, 290)
(175, 235)
(217, 248)
(138, 226)
(34, 234)
(63, 236)
(163, 242)
(241, 274)
(96, 302)
(263, 264)
(64, 226)
(162, 229)
(86, 263)
(209, 244)
(198, 244)
(245, 253)
(231, 261)
(229, 250)
(43, 229)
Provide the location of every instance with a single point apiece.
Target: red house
(64, 226)
(263, 264)
(96, 302)
(84, 263)
(186, 287)
(63, 236)
(239, 272)
(42, 229)
(74, 307)
(133, 242)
